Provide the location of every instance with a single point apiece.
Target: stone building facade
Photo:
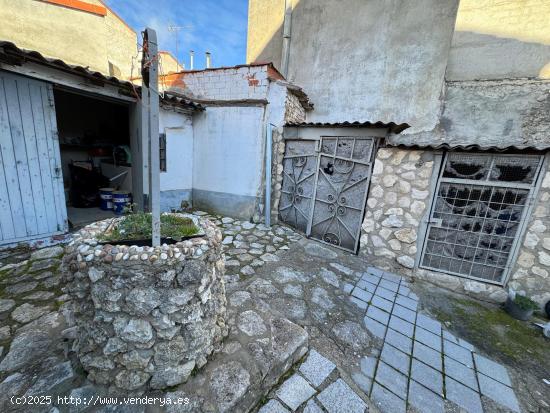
(471, 79)
(397, 201)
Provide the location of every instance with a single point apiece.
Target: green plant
(525, 303)
(138, 226)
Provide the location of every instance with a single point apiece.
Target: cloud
(218, 26)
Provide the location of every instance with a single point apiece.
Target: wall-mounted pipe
(268, 157)
(287, 26)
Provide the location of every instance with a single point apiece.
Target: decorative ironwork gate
(325, 188)
(299, 167)
(478, 211)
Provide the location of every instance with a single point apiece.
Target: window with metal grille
(477, 214)
(162, 152)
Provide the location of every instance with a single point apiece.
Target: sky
(217, 26)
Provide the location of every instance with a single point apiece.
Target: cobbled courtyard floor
(375, 343)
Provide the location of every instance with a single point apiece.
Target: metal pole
(268, 156)
(154, 161)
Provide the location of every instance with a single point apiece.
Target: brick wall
(226, 84)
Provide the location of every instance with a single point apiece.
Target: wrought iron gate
(325, 188)
(477, 214)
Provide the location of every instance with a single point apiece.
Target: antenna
(176, 29)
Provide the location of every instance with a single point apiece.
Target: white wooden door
(32, 200)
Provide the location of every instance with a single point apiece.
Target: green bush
(525, 303)
(138, 226)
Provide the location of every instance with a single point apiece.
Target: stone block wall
(530, 275)
(397, 203)
(278, 154)
(398, 198)
(146, 316)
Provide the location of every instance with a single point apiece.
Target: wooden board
(32, 201)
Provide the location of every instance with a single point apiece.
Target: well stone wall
(146, 316)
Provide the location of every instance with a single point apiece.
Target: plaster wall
(228, 157)
(177, 182)
(367, 60)
(498, 39)
(265, 31)
(74, 36)
(121, 46)
(500, 113)
(71, 35)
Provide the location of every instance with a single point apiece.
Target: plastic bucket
(121, 199)
(106, 198)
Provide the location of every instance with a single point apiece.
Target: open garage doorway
(94, 142)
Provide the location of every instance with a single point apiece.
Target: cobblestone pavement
(249, 246)
(371, 346)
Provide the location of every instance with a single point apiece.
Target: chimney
(208, 60)
(191, 59)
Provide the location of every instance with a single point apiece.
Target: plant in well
(137, 226)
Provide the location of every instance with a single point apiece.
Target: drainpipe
(287, 24)
(268, 155)
(208, 60)
(191, 59)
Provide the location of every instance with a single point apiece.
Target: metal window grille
(162, 152)
(476, 217)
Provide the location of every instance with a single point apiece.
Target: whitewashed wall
(228, 159)
(177, 182)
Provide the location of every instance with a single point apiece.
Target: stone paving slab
(491, 369)
(395, 358)
(428, 355)
(425, 400)
(295, 391)
(386, 401)
(463, 396)
(316, 368)
(393, 380)
(427, 376)
(497, 391)
(442, 366)
(339, 397)
(461, 373)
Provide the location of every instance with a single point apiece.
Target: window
(477, 214)
(162, 152)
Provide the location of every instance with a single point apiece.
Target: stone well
(146, 317)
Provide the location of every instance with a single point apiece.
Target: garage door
(32, 202)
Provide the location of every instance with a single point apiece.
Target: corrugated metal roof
(393, 127)
(469, 147)
(13, 55)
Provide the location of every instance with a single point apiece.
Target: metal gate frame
(312, 200)
(523, 222)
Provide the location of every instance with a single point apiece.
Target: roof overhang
(391, 127)
(11, 55)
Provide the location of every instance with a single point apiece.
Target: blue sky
(217, 26)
